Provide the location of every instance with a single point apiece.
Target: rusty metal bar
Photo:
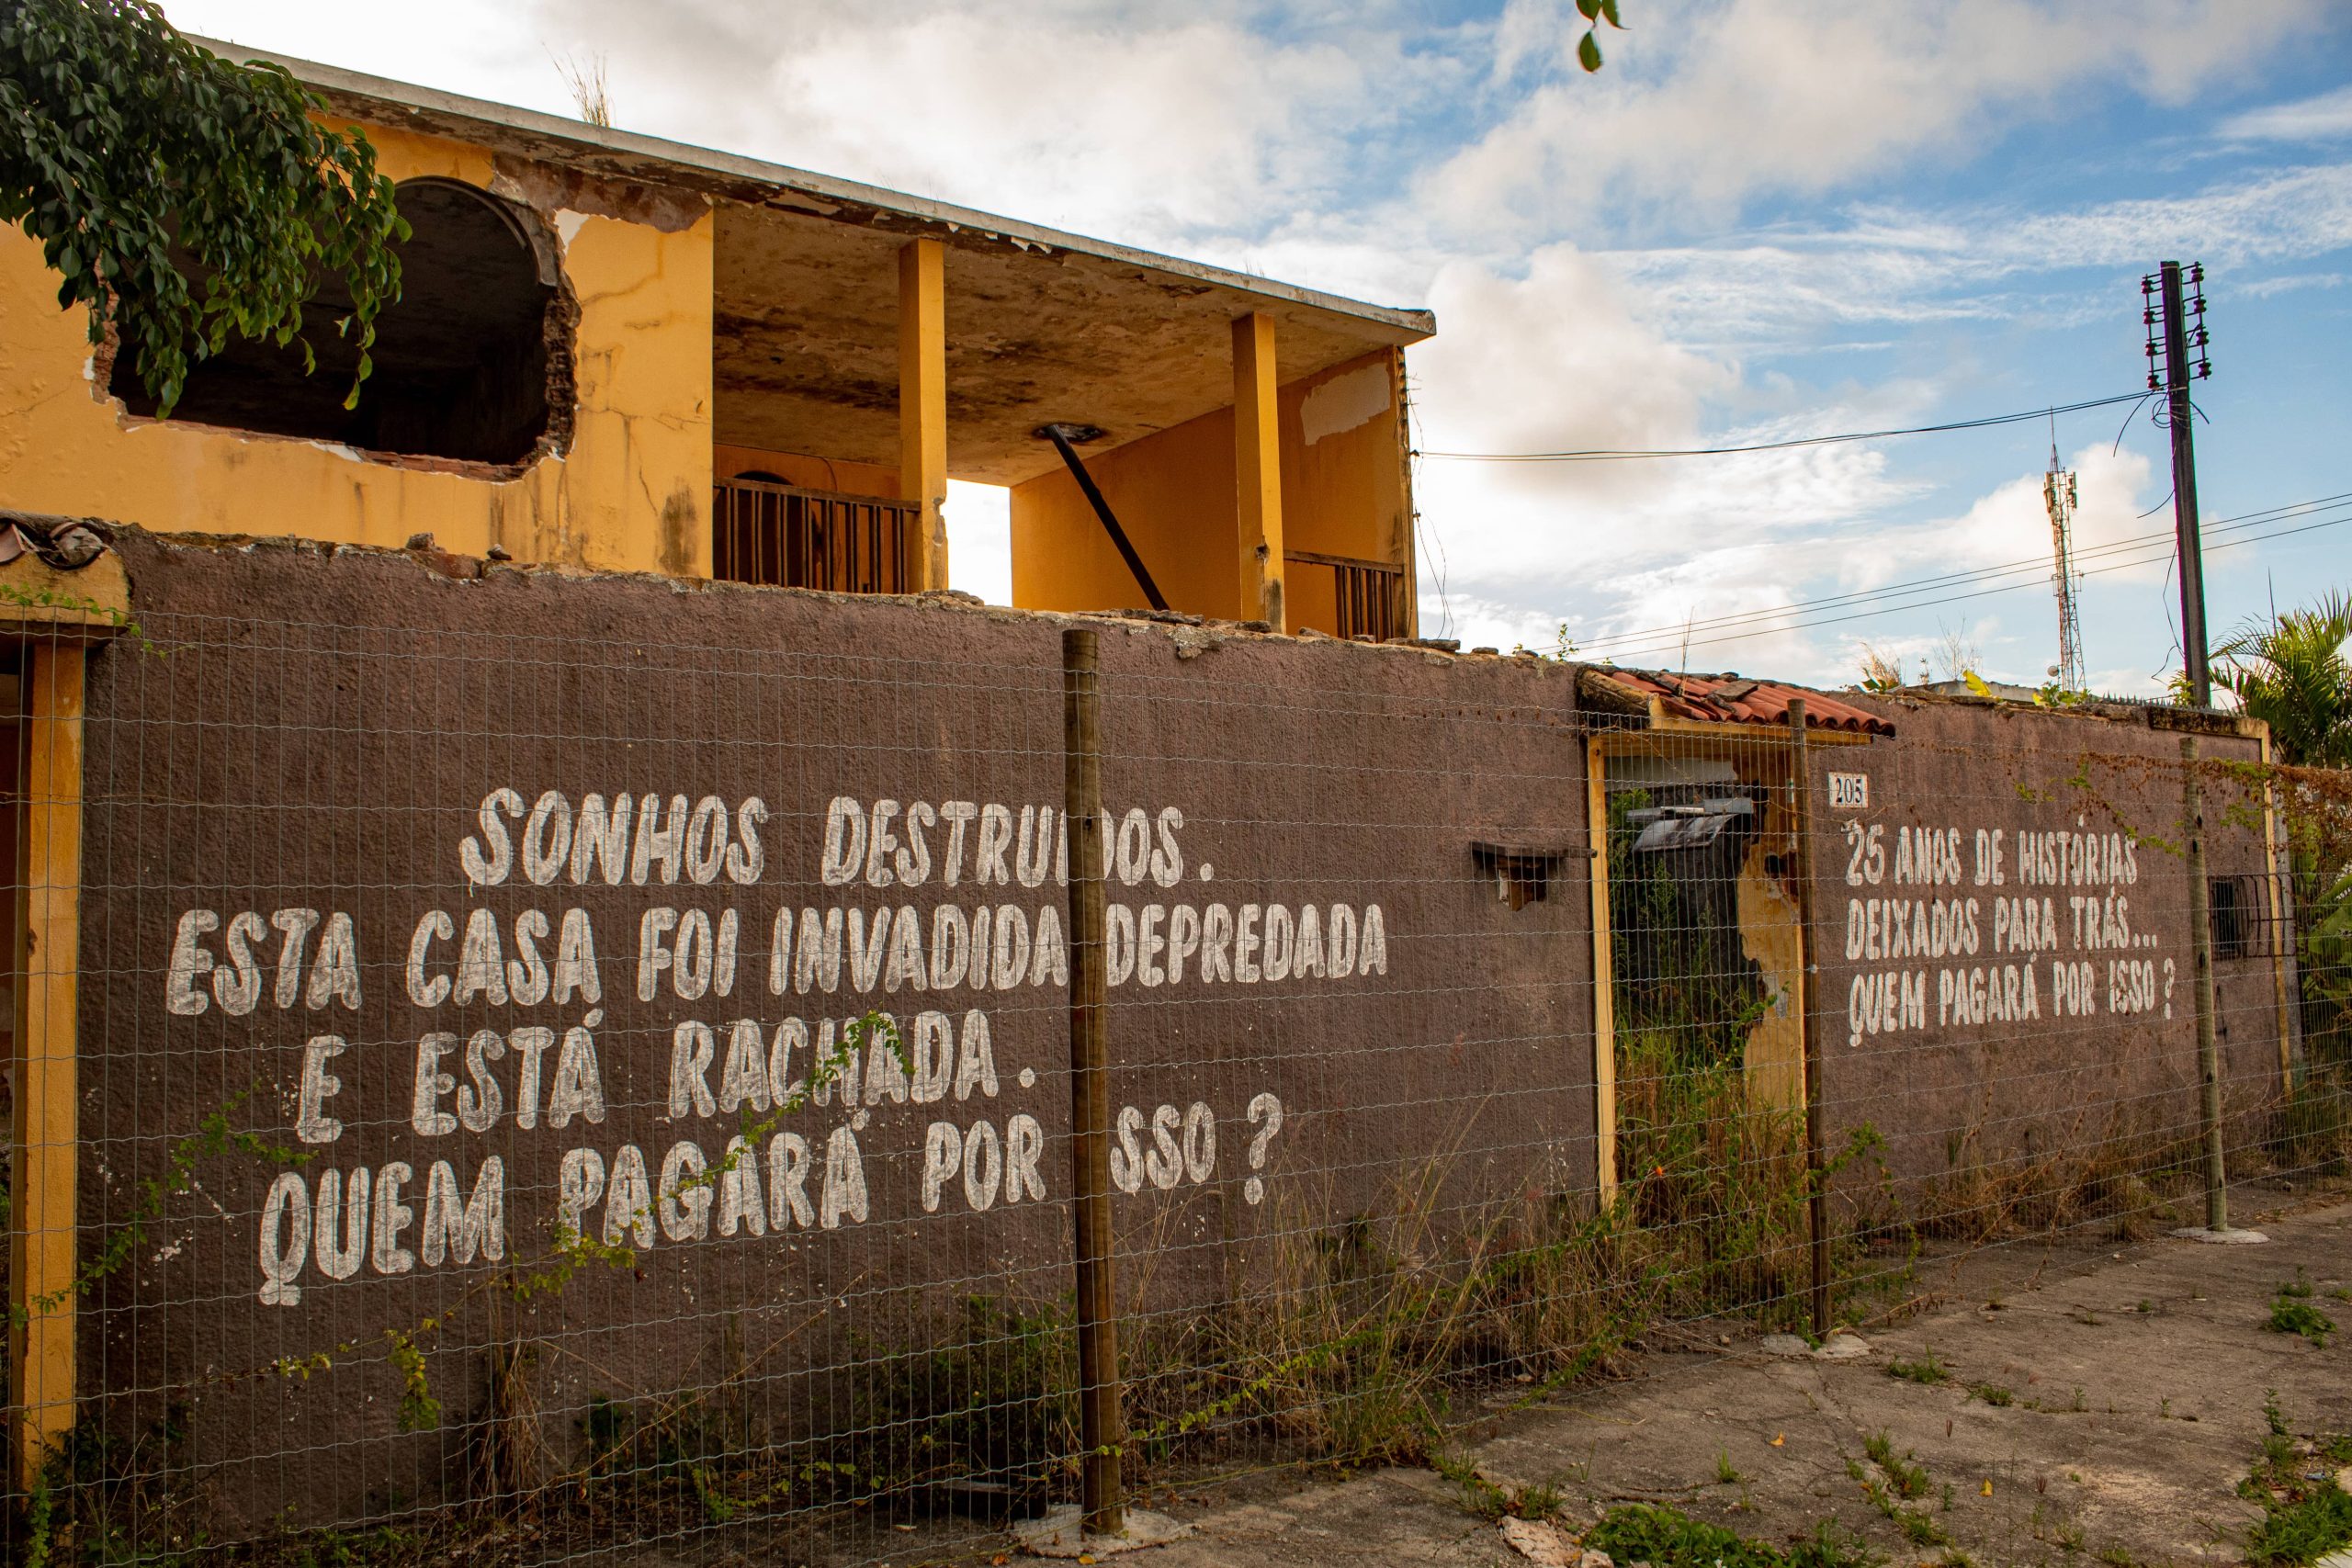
(1101, 1426)
(790, 536)
(1059, 436)
(1809, 1043)
(1368, 595)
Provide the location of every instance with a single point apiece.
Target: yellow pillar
(922, 408)
(41, 1240)
(1257, 470)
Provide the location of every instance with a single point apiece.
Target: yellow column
(41, 1242)
(922, 408)
(1257, 470)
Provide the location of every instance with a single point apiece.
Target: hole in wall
(472, 362)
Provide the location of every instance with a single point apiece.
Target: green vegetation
(1909, 1479)
(2291, 1312)
(1668, 1538)
(184, 200)
(2290, 670)
(1712, 1171)
(1926, 1370)
(2305, 1514)
(1901, 1479)
(994, 1401)
(1486, 1500)
(1992, 1393)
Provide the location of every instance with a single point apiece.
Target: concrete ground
(2136, 1377)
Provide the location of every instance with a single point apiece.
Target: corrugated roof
(1728, 699)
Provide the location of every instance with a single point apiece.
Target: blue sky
(1760, 220)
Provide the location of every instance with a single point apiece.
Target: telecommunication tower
(2058, 493)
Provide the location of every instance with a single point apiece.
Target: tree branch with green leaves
(183, 198)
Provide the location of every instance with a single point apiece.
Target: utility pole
(2182, 321)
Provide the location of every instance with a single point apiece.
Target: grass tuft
(1926, 1370)
(1668, 1538)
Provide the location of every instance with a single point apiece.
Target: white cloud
(1112, 116)
(2306, 120)
(2265, 287)
(1720, 104)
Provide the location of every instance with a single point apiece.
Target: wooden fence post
(1815, 1164)
(1101, 1428)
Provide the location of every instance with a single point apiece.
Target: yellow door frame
(1598, 748)
(53, 616)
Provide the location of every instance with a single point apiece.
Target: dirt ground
(2137, 1376)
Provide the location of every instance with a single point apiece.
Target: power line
(1740, 632)
(1972, 574)
(1760, 623)
(1614, 454)
(1898, 590)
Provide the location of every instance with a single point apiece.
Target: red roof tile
(1728, 699)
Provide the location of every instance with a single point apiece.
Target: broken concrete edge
(1188, 634)
(1548, 1545)
(1062, 1532)
(1840, 1347)
(88, 601)
(2231, 1237)
(2138, 716)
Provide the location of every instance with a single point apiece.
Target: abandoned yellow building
(619, 353)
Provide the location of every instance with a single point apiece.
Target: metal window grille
(788, 536)
(2247, 923)
(1371, 594)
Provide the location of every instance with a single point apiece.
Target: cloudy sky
(1760, 220)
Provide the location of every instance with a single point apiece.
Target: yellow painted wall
(632, 492)
(1771, 934)
(808, 472)
(1173, 494)
(1342, 495)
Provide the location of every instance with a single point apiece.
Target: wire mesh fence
(547, 1068)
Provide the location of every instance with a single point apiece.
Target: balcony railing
(788, 537)
(1371, 594)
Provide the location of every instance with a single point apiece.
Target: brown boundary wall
(2081, 814)
(304, 729)
(299, 729)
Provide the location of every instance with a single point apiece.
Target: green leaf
(1609, 10)
(1588, 52)
(183, 198)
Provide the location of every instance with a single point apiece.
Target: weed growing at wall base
(2305, 1514)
